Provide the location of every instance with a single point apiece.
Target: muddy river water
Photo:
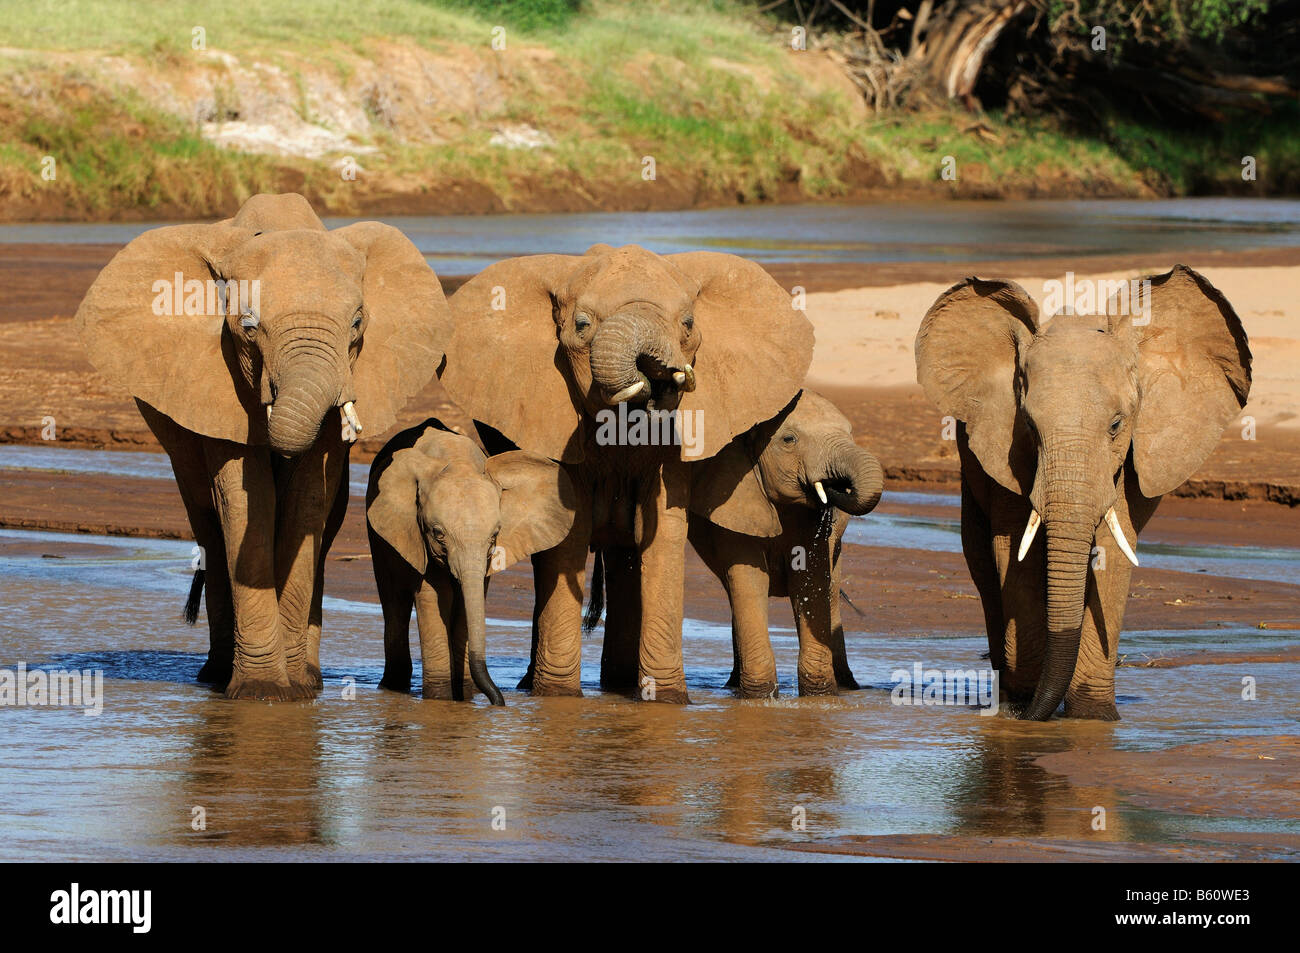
(363, 772)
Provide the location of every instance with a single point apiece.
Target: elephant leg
(839, 651)
(558, 576)
(748, 585)
(733, 680)
(189, 464)
(306, 502)
(977, 547)
(526, 683)
(662, 675)
(1024, 612)
(810, 598)
(243, 489)
(332, 524)
(437, 603)
(397, 583)
(620, 654)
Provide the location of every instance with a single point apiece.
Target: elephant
(622, 365)
(442, 518)
(1078, 425)
(768, 515)
(253, 348)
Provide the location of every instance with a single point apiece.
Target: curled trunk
(851, 478)
(309, 388)
(624, 346)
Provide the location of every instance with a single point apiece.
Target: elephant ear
(755, 347)
(1193, 374)
(267, 212)
(967, 358)
(391, 505)
(538, 505)
(504, 361)
(726, 489)
(182, 365)
(407, 327)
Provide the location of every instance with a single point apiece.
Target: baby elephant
(442, 518)
(767, 515)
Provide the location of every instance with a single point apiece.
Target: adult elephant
(254, 349)
(545, 348)
(1077, 426)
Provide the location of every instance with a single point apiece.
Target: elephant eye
(1115, 424)
(356, 319)
(688, 322)
(248, 320)
(582, 322)
(789, 438)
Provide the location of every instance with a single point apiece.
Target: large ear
(407, 327)
(726, 489)
(504, 364)
(182, 365)
(967, 356)
(391, 504)
(537, 504)
(755, 348)
(1193, 374)
(267, 212)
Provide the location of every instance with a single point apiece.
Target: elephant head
(441, 500)
(254, 329)
(1054, 412)
(542, 341)
(804, 456)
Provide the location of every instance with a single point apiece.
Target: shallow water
(384, 775)
(883, 232)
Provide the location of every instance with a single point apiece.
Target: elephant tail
(196, 593)
(845, 596)
(596, 604)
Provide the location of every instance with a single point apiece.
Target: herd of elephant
(1077, 424)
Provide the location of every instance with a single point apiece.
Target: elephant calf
(766, 516)
(442, 518)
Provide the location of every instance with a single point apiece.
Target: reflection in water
(372, 774)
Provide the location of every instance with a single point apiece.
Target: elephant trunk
(851, 478)
(625, 348)
(1070, 527)
(308, 388)
(472, 596)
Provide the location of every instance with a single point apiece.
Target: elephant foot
(551, 688)
(733, 680)
(617, 681)
(216, 672)
(314, 677)
(441, 691)
(267, 691)
(526, 683)
(816, 686)
(757, 690)
(671, 694)
(1092, 709)
(845, 680)
(397, 680)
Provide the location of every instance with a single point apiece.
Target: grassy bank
(570, 115)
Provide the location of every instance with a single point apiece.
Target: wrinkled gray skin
(1068, 420)
(442, 518)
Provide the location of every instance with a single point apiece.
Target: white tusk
(1031, 530)
(679, 378)
(350, 415)
(821, 493)
(627, 392)
(268, 413)
(1112, 520)
(690, 377)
